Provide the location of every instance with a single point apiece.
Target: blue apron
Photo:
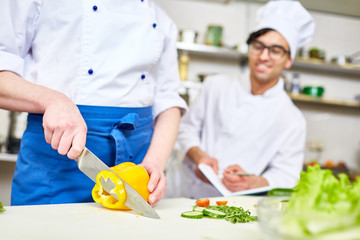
(43, 176)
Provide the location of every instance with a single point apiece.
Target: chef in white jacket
(96, 73)
(250, 125)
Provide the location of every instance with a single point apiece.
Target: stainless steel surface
(108, 185)
(91, 165)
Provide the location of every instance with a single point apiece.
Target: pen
(242, 174)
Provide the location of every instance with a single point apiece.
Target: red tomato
(203, 202)
(312, 163)
(341, 165)
(329, 164)
(221, 202)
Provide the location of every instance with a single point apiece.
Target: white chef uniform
(115, 59)
(73, 53)
(264, 134)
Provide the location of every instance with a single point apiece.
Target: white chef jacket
(104, 53)
(264, 134)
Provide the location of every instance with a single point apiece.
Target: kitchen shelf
(191, 85)
(305, 64)
(209, 51)
(301, 98)
(8, 157)
(321, 66)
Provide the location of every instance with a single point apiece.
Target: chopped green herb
(2, 209)
(235, 214)
(232, 214)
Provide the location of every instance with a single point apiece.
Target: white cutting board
(87, 221)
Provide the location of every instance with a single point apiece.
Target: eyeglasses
(276, 52)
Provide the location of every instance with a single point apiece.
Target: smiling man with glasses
(268, 55)
(248, 124)
(276, 52)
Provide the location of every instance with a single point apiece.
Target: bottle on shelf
(184, 60)
(287, 82)
(214, 35)
(295, 84)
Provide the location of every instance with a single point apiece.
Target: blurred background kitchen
(324, 81)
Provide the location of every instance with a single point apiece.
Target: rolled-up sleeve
(18, 19)
(168, 80)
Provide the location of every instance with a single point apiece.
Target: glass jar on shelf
(184, 60)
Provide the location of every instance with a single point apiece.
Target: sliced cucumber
(213, 213)
(198, 209)
(192, 214)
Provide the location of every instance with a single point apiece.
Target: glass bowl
(276, 223)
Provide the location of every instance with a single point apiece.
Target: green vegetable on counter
(2, 209)
(229, 213)
(213, 213)
(280, 192)
(235, 214)
(192, 214)
(322, 203)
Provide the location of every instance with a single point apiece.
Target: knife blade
(91, 165)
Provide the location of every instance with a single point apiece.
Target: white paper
(216, 182)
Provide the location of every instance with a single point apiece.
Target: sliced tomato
(221, 202)
(205, 202)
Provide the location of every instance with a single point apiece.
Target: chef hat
(290, 19)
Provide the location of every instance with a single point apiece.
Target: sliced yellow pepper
(136, 176)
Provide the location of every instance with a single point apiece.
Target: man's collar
(275, 90)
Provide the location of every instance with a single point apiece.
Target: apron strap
(125, 124)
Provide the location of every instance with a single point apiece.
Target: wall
(337, 129)
(6, 174)
(4, 125)
(6, 168)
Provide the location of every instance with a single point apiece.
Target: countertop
(92, 221)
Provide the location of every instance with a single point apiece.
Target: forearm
(17, 94)
(198, 156)
(195, 154)
(165, 132)
(67, 134)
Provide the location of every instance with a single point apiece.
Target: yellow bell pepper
(136, 176)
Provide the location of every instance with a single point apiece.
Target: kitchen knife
(91, 165)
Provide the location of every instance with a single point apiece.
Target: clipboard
(216, 182)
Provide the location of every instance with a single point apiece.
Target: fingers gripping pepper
(135, 175)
